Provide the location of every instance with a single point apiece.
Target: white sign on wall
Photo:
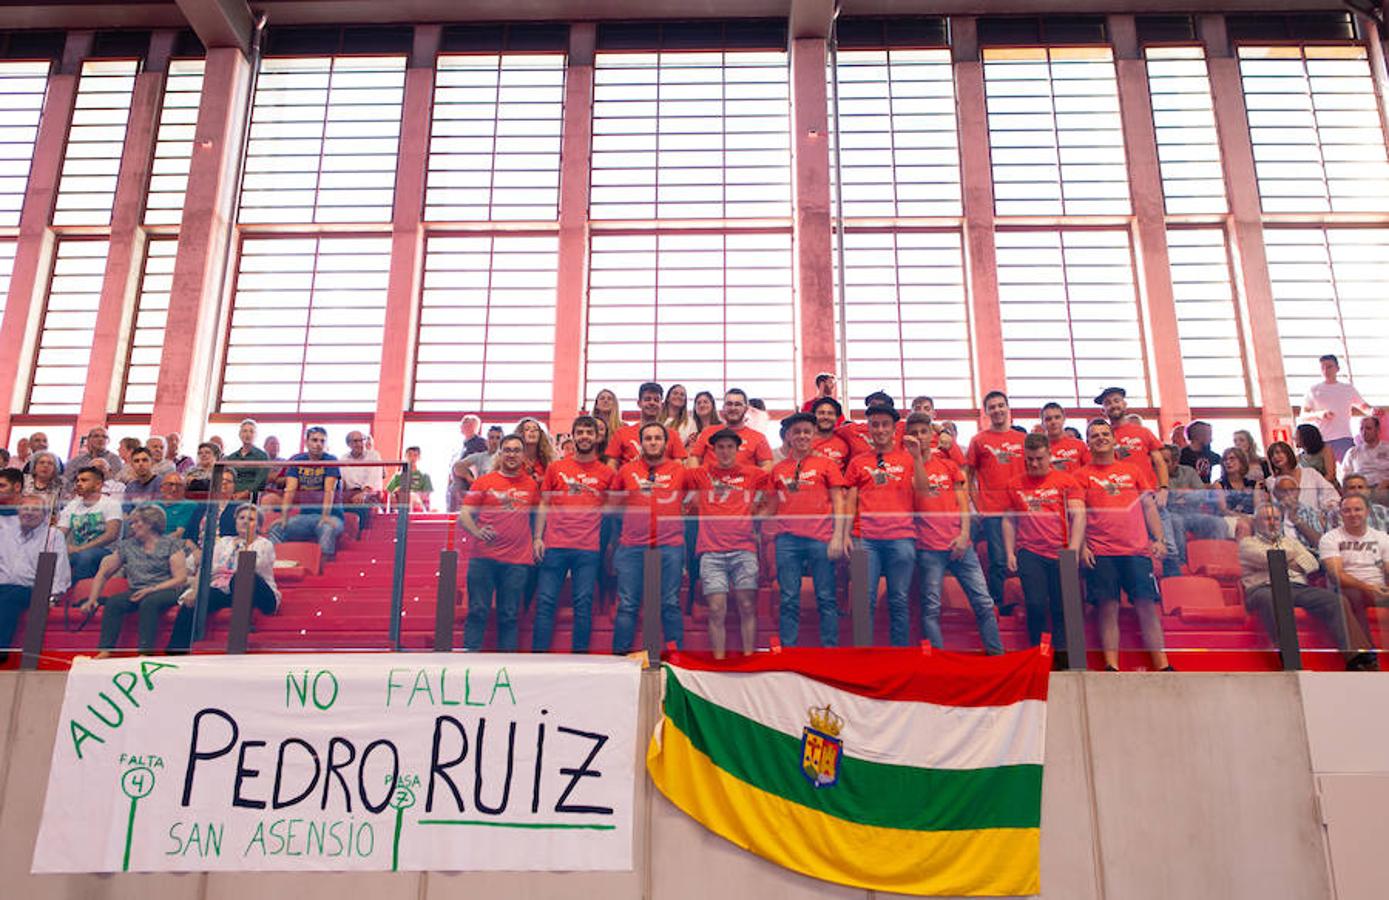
(343, 762)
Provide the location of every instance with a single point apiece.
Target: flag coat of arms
(885, 769)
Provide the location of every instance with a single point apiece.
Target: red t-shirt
(625, 445)
(938, 509)
(652, 491)
(575, 493)
(833, 448)
(1069, 454)
(505, 505)
(996, 457)
(724, 502)
(884, 510)
(1043, 527)
(753, 451)
(1114, 523)
(1135, 444)
(803, 496)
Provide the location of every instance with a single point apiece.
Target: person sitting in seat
(421, 486)
(91, 523)
(313, 486)
(155, 570)
(199, 478)
(265, 596)
(22, 538)
(1321, 603)
(1356, 557)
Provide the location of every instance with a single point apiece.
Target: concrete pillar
(976, 181)
(1246, 224)
(571, 289)
(810, 166)
(186, 381)
(123, 263)
(1149, 226)
(407, 245)
(34, 251)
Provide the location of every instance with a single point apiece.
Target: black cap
(1099, 401)
(797, 418)
(820, 401)
(878, 398)
(725, 434)
(879, 409)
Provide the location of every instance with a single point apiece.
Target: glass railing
(368, 573)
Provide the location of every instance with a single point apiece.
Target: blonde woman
(676, 413)
(606, 409)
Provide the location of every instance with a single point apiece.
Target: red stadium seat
(1214, 559)
(307, 554)
(1198, 599)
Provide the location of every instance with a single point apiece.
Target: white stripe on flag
(897, 732)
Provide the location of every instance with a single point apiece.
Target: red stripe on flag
(899, 673)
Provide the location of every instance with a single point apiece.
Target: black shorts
(1131, 574)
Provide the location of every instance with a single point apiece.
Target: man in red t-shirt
(808, 507)
(942, 539)
(496, 512)
(726, 494)
(625, 444)
(1132, 441)
(826, 416)
(1067, 453)
(653, 488)
(993, 458)
(880, 500)
(1122, 536)
(754, 450)
(1047, 515)
(567, 528)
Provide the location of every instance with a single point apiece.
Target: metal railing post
(860, 608)
(651, 603)
(1073, 609)
(445, 610)
(210, 516)
(1289, 653)
(243, 590)
(402, 526)
(37, 622)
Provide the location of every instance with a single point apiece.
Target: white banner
(343, 762)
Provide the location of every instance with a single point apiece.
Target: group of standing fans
(701, 485)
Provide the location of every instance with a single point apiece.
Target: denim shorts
(735, 569)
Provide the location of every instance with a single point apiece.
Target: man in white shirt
(90, 522)
(1329, 404)
(361, 485)
(1370, 458)
(1356, 556)
(22, 538)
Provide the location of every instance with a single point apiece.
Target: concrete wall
(1157, 786)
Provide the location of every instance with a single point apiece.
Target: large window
(1070, 316)
(96, 137)
(908, 321)
(306, 324)
(1209, 329)
(173, 149)
(69, 322)
(1055, 138)
(898, 147)
(487, 324)
(1328, 293)
(1184, 123)
(324, 137)
(22, 88)
(147, 335)
(495, 143)
(1315, 124)
(710, 310)
(698, 135)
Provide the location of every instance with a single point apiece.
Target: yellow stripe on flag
(983, 862)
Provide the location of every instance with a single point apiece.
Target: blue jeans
(793, 553)
(507, 581)
(582, 566)
(894, 559)
(998, 557)
(84, 563)
(1175, 525)
(628, 563)
(934, 564)
(305, 527)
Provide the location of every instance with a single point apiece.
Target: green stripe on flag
(870, 793)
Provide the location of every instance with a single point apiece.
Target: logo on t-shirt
(1037, 500)
(936, 484)
(509, 498)
(579, 485)
(1003, 455)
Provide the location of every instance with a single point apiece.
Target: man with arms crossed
(1356, 556)
(1047, 515)
(1122, 535)
(567, 526)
